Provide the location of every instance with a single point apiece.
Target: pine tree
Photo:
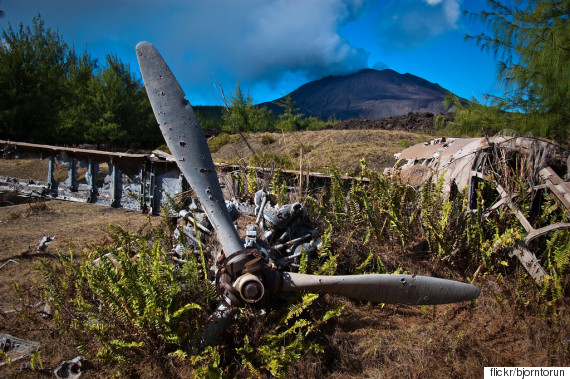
(51, 94)
(246, 116)
(33, 66)
(290, 120)
(532, 40)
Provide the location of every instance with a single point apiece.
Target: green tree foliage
(51, 94)
(532, 39)
(245, 116)
(76, 109)
(122, 113)
(33, 65)
(290, 120)
(209, 116)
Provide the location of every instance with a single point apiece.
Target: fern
(337, 194)
(278, 187)
(251, 181)
(125, 303)
(281, 343)
(361, 269)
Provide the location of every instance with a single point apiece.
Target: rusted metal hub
(243, 281)
(249, 287)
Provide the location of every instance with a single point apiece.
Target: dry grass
(344, 148)
(446, 341)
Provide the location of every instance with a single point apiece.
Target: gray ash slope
(366, 94)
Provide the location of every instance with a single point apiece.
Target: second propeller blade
(384, 288)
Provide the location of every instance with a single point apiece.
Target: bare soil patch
(79, 225)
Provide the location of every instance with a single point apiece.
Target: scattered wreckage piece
(9, 261)
(44, 243)
(72, 369)
(16, 348)
(466, 162)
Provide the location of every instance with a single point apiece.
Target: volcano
(366, 94)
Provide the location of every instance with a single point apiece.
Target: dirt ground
(22, 226)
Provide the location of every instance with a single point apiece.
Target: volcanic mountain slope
(366, 94)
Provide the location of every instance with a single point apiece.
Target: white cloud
(407, 24)
(380, 66)
(224, 39)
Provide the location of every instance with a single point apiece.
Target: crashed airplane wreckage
(138, 182)
(543, 166)
(131, 181)
(245, 274)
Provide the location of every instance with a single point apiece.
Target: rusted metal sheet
(464, 162)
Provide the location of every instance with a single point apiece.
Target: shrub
(216, 143)
(267, 139)
(125, 303)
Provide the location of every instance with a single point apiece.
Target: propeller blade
(384, 288)
(186, 141)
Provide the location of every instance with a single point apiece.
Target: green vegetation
(130, 306)
(384, 211)
(209, 116)
(267, 139)
(532, 39)
(52, 94)
(243, 115)
(292, 121)
(215, 143)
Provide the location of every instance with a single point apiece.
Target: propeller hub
(249, 287)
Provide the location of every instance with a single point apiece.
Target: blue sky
(273, 46)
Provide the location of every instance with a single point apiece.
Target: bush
(267, 139)
(216, 143)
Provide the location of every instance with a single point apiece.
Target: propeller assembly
(245, 276)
